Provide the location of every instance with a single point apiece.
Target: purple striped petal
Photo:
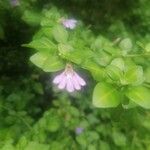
(80, 80)
(70, 87)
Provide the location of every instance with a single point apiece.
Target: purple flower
(69, 80)
(14, 3)
(69, 23)
(79, 130)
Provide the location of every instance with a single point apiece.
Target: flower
(79, 130)
(69, 80)
(69, 23)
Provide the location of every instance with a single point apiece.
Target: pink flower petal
(75, 83)
(62, 83)
(80, 80)
(69, 23)
(58, 78)
(70, 87)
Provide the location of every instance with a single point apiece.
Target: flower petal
(58, 78)
(69, 86)
(69, 23)
(80, 80)
(75, 83)
(62, 83)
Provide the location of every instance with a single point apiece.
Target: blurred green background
(33, 114)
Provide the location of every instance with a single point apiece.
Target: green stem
(137, 55)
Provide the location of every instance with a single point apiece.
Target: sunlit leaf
(60, 34)
(42, 44)
(105, 95)
(47, 62)
(140, 95)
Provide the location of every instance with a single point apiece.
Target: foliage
(115, 64)
(111, 48)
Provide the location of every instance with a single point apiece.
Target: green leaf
(105, 95)
(60, 34)
(114, 72)
(38, 88)
(53, 123)
(96, 70)
(134, 76)
(22, 143)
(36, 146)
(55, 145)
(65, 48)
(44, 32)
(119, 138)
(102, 58)
(91, 147)
(32, 17)
(47, 62)
(74, 55)
(81, 139)
(118, 62)
(43, 44)
(92, 136)
(97, 44)
(8, 146)
(147, 75)
(104, 145)
(140, 95)
(147, 47)
(126, 44)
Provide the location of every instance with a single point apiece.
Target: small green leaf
(147, 75)
(140, 95)
(32, 17)
(114, 72)
(65, 48)
(96, 70)
(97, 44)
(126, 44)
(60, 34)
(102, 58)
(105, 95)
(133, 75)
(36, 146)
(53, 123)
(52, 64)
(91, 147)
(118, 62)
(119, 138)
(47, 22)
(74, 55)
(147, 47)
(104, 145)
(47, 62)
(8, 146)
(81, 139)
(44, 32)
(43, 44)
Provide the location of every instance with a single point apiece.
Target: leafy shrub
(111, 52)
